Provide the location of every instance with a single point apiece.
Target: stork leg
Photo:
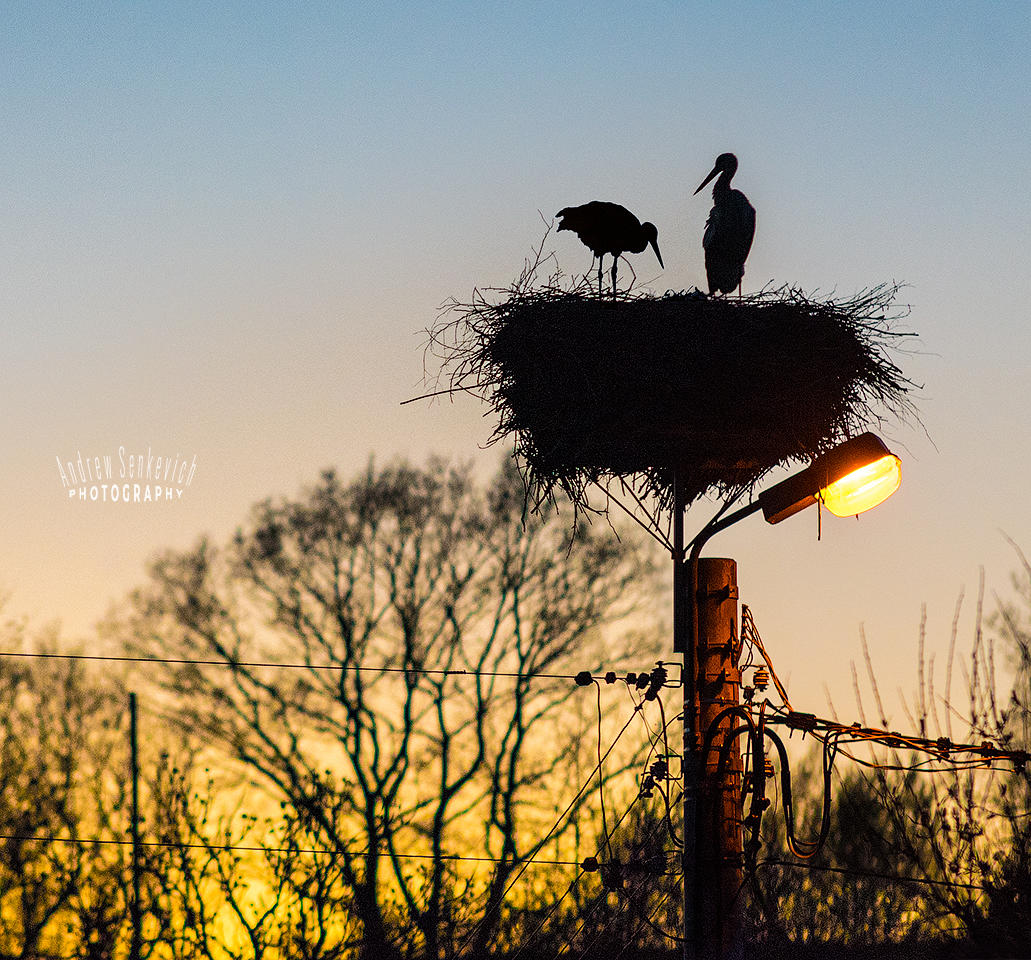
(615, 261)
(600, 259)
(633, 273)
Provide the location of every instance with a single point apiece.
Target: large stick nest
(637, 387)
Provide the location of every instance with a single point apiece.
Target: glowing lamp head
(855, 476)
(864, 487)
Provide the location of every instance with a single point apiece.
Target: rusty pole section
(719, 873)
(705, 631)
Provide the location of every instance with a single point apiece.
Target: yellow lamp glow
(850, 478)
(864, 487)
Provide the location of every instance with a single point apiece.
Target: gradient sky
(226, 225)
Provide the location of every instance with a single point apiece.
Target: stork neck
(722, 185)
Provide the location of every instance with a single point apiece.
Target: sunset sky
(227, 225)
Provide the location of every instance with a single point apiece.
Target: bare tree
(62, 788)
(208, 861)
(434, 628)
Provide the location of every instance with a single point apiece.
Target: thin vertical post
(682, 643)
(134, 948)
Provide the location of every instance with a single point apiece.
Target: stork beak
(658, 256)
(712, 174)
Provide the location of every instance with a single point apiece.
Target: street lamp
(849, 479)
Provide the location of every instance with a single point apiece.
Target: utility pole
(719, 874)
(705, 631)
(134, 946)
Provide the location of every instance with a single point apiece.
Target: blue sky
(226, 226)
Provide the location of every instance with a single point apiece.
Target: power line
(750, 634)
(648, 920)
(554, 827)
(874, 875)
(941, 749)
(584, 868)
(257, 848)
(643, 881)
(379, 668)
(592, 863)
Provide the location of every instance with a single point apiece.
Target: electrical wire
(236, 664)
(750, 633)
(547, 836)
(601, 775)
(640, 926)
(582, 871)
(651, 833)
(605, 842)
(873, 874)
(255, 848)
(941, 750)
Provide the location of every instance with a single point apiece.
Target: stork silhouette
(728, 231)
(606, 227)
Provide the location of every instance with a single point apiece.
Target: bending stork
(609, 228)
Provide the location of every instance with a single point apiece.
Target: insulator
(767, 766)
(800, 721)
(656, 681)
(610, 677)
(583, 678)
(761, 678)
(631, 678)
(748, 693)
(589, 865)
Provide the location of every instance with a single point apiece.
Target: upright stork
(606, 227)
(728, 231)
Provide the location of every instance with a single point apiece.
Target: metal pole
(682, 643)
(134, 947)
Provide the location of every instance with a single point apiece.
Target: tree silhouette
(62, 791)
(436, 629)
